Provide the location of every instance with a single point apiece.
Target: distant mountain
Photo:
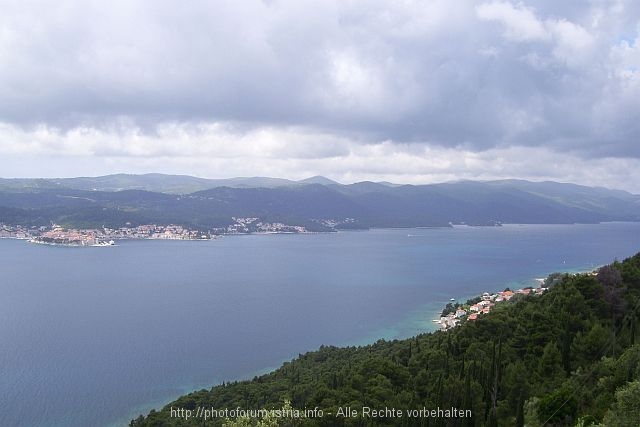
(596, 199)
(117, 182)
(313, 205)
(161, 183)
(318, 180)
(389, 184)
(363, 187)
(250, 182)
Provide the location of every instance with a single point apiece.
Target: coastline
(369, 340)
(72, 245)
(449, 321)
(474, 286)
(389, 333)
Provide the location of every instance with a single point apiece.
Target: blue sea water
(96, 336)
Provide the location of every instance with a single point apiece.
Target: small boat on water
(452, 299)
(109, 243)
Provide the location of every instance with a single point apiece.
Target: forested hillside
(316, 204)
(570, 356)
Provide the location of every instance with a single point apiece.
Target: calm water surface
(95, 336)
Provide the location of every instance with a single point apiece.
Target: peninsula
(567, 356)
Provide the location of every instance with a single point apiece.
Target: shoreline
(370, 340)
(176, 232)
(445, 295)
(72, 245)
(449, 321)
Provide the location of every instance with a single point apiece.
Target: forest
(568, 357)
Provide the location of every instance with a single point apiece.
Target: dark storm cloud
(467, 74)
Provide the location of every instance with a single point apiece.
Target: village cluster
(18, 231)
(92, 237)
(58, 235)
(482, 307)
(254, 225)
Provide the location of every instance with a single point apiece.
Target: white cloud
(171, 139)
(625, 56)
(292, 86)
(573, 43)
(219, 150)
(520, 22)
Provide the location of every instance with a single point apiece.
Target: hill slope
(156, 182)
(570, 354)
(318, 207)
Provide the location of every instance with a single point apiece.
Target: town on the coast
(65, 236)
(456, 313)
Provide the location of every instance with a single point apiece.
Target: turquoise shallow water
(94, 336)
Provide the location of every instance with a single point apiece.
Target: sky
(400, 90)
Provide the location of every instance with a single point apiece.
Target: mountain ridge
(158, 182)
(318, 204)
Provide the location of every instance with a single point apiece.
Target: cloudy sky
(403, 91)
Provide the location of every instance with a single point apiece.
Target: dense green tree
(558, 408)
(625, 412)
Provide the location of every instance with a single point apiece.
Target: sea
(98, 336)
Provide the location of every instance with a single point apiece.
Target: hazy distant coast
(269, 205)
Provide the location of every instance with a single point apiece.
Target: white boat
(109, 243)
